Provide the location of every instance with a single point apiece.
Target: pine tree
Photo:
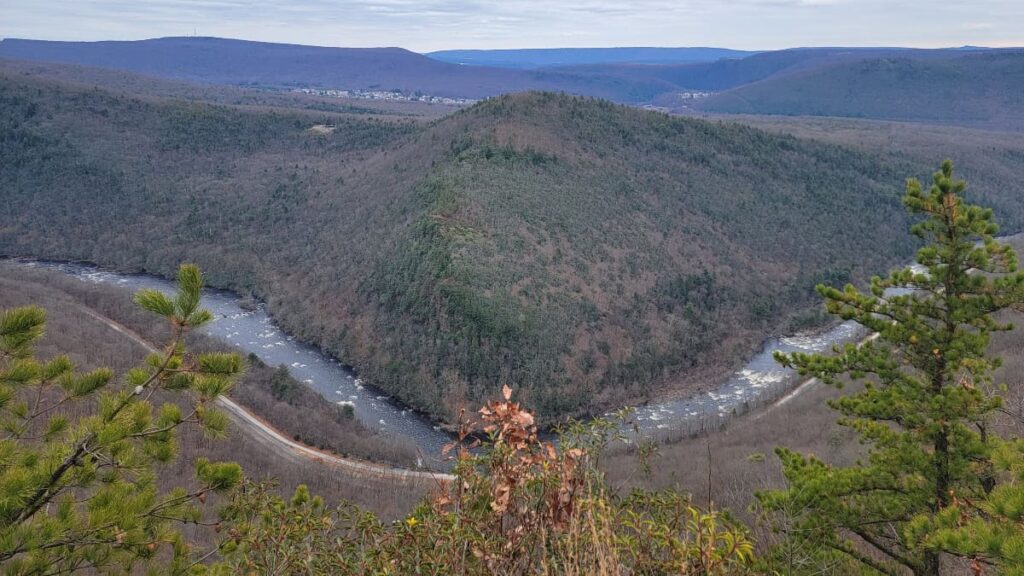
(78, 492)
(988, 532)
(927, 392)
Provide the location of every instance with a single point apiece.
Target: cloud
(435, 24)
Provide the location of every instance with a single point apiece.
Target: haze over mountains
(235, 62)
(979, 87)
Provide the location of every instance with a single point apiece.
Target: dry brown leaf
(523, 418)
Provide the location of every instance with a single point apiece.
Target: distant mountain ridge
(726, 74)
(529, 58)
(247, 63)
(982, 88)
(238, 62)
(804, 81)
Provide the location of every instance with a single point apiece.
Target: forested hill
(981, 89)
(726, 73)
(588, 253)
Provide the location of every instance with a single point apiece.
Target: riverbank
(77, 326)
(249, 328)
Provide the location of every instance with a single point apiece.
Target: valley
(760, 382)
(801, 420)
(430, 255)
(315, 304)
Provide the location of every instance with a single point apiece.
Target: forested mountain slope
(588, 253)
(983, 89)
(988, 159)
(726, 73)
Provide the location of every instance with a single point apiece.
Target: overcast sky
(431, 24)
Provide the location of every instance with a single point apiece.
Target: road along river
(760, 382)
(274, 440)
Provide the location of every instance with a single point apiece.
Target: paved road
(268, 436)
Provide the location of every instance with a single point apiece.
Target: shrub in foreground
(518, 505)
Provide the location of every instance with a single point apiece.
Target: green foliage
(520, 506)
(19, 328)
(282, 386)
(987, 530)
(927, 397)
(77, 454)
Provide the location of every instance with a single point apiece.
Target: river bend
(759, 382)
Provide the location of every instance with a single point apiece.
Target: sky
(425, 25)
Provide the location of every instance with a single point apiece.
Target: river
(759, 382)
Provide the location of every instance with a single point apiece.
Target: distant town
(391, 95)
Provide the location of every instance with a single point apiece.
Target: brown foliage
(518, 506)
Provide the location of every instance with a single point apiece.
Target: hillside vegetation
(137, 85)
(590, 253)
(605, 250)
(991, 159)
(984, 89)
